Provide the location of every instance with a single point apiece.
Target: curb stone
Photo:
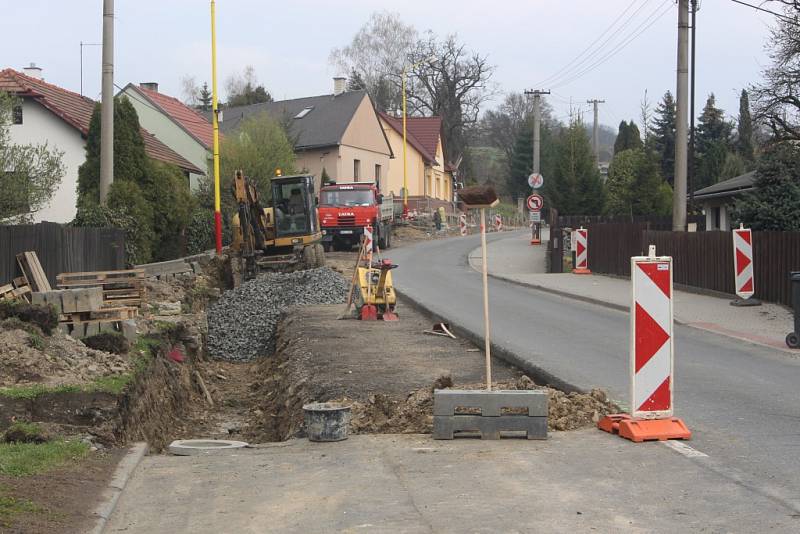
(119, 480)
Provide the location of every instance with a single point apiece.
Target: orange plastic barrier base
(581, 271)
(639, 430)
(536, 241)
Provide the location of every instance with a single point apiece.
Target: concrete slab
(575, 482)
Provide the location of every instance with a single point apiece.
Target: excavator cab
(283, 236)
(294, 208)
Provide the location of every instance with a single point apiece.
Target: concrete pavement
(575, 482)
(513, 258)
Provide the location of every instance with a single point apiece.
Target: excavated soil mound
(29, 358)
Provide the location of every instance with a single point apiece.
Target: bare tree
(451, 81)
(243, 88)
(376, 57)
(501, 127)
(190, 90)
(776, 99)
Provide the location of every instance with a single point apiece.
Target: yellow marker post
(215, 122)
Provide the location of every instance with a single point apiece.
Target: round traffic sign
(535, 202)
(536, 180)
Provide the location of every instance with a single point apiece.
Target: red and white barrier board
(462, 223)
(581, 251)
(651, 346)
(368, 238)
(498, 222)
(743, 262)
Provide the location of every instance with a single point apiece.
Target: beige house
(338, 133)
(428, 175)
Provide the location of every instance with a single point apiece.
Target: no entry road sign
(535, 202)
(535, 180)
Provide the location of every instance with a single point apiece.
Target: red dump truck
(345, 209)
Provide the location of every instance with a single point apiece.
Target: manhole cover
(189, 447)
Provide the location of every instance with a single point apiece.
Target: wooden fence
(61, 249)
(701, 259)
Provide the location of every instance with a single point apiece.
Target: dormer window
(303, 113)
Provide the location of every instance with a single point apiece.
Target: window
(303, 112)
(378, 177)
(356, 169)
(16, 115)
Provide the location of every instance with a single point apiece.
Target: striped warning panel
(743, 262)
(651, 337)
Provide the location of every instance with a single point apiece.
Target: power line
(629, 39)
(781, 16)
(588, 48)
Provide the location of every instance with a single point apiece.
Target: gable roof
(412, 129)
(188, 119)
(324, 125)
(730, 187)
(76, 110)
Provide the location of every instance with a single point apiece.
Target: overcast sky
(288, 43)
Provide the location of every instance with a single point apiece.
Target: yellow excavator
(284, 236)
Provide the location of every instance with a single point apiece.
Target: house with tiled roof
(175, 124)
(339, 133)
(428, 174)
(51, 114)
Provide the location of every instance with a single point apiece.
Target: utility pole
(537, 121)
(691, 169)
(536, 231)
(107, 104)
(596, 131)
(681, 120)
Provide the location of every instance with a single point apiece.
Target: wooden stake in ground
(485, 276)
(483, 197)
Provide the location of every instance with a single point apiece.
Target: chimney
(150, 86)
(33, 71)
(339, 85)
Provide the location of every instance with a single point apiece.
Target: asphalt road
(741, 401)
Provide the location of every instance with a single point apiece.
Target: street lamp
(406, 68)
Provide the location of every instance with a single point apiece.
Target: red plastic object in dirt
(176, 355)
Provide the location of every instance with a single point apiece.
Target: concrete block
(64, 327)
(444, 427)
(44, 298)
(164, 268)
(69, 301)
(78, 331)
(108, 327)
(129, 330)
(88, 299)
(491, 403)
(92, 329)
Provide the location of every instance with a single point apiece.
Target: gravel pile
(241, 324)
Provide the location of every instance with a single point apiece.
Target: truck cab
(345, 209)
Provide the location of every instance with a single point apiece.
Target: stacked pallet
(119, 288)
(81, 312)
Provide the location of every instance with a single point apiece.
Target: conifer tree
(664, 136)
(744, 139)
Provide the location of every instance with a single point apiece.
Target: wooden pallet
(106, 315)
(16, 290)
(32, 271)
(120, 288)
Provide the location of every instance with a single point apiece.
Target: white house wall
(169, 133)
(39, 125)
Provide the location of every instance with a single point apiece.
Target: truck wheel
(793, 340)
(388, 236)
(328, 246)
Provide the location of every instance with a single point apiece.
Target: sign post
(651, 356)
(535, 203)
(743, 267)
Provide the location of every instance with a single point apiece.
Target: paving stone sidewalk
(514, 259)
